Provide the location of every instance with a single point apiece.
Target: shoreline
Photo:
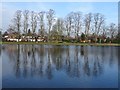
(64, 43)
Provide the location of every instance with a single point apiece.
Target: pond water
(50, 66)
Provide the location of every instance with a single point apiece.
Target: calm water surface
(47, 66)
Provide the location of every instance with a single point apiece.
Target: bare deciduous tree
(87, 22)
(41, 22)
(77, 20)
(98, 22)
(25, 22)
(58, 28)
(69, 23)
(112, 30)
(11, 29)
(17, 20)
(50, 19)
(33, 21)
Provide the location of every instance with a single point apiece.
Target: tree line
(73, 27)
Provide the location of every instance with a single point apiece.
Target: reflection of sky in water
(59, 66)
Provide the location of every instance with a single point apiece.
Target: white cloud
(86, 8)
(41, 6)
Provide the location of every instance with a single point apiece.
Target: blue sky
(108, 9)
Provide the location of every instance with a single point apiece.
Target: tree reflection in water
(49, 66)
(44, 60)
(17, 65)
(41, 54)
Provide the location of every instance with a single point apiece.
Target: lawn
(63, 43)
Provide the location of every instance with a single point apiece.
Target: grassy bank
(63, 43)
